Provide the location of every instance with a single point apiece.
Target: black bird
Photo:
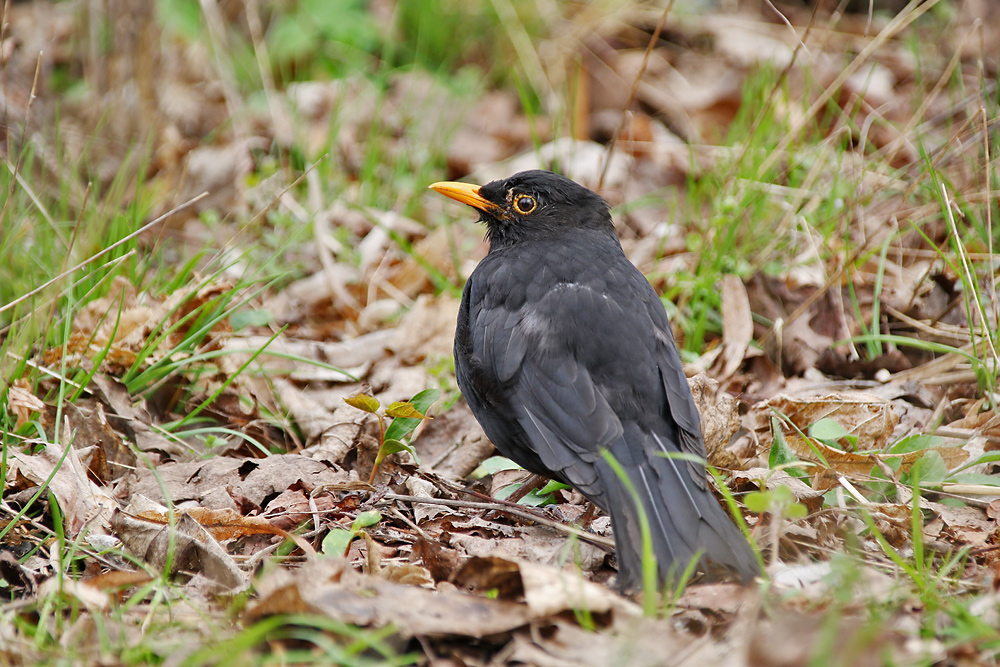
(564, 350)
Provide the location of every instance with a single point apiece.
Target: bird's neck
(502, 237)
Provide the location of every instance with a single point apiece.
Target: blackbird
(564, 351)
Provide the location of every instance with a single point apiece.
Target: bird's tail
(684, 519)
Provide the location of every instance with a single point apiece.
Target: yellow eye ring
(524, 204)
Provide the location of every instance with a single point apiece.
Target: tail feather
(684, 520)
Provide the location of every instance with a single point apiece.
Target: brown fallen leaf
(409, 574)
(431, 253)
(761, 479)
(225, 524)
(85, 505)
(737, 323)
(440, 561)
(123, 330)
(482, 574)
(965, 526)
(633, 642)
(549, 591)
(427, 331)
(215, 483)
(720, 419)
(102, 448)
(859, 466)
(866, 416)
(187, 547)
(22, 402)
(119, 579)
(715, 597)
(93, 598)
(329, 587)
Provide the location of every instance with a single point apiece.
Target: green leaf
(779, 500)
(505, 492)
(393, 446)
(291, 37)
(247, 317)
(975, 478)
(363, 402)
(493, 465)
(831, 432)
(796, 511)
(758, 501)
(404, 409)
(338, 539)
(336, 542)
(929, 468)
(366, 520)
(403, 426)
(552, 486)
(780, 452)
(914, 443)
(535, 498)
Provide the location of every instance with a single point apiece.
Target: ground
(231, 429)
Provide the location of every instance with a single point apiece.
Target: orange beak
(467, 194)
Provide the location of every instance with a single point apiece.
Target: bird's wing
(533, 352)
(680, 404)
(568, 362)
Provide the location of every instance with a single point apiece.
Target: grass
(792, 190)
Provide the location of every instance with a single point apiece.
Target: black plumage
(563, 349)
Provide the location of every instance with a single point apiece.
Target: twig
(511, 511)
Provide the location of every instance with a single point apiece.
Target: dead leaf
(966, 526)
(485, 574)
(328, 587)
(720, 419)
(737, 324)
(187, 546)
(549, 591)
(22, 402)
(107, 456)
(427, 331)
(409, 574)
(430, 253)
(582, 161)
(866, 416)
(439, 560)
(84, 504)
(213, 484)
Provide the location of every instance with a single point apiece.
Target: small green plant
(832, 433)
(534, 498)
(780, 501)
(338, 540)
(405, 415)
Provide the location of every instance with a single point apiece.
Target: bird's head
(531, 205)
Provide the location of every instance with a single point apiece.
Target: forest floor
(219, 257)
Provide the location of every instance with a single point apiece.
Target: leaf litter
(823, 429)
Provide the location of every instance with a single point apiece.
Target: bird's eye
(524, 204)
